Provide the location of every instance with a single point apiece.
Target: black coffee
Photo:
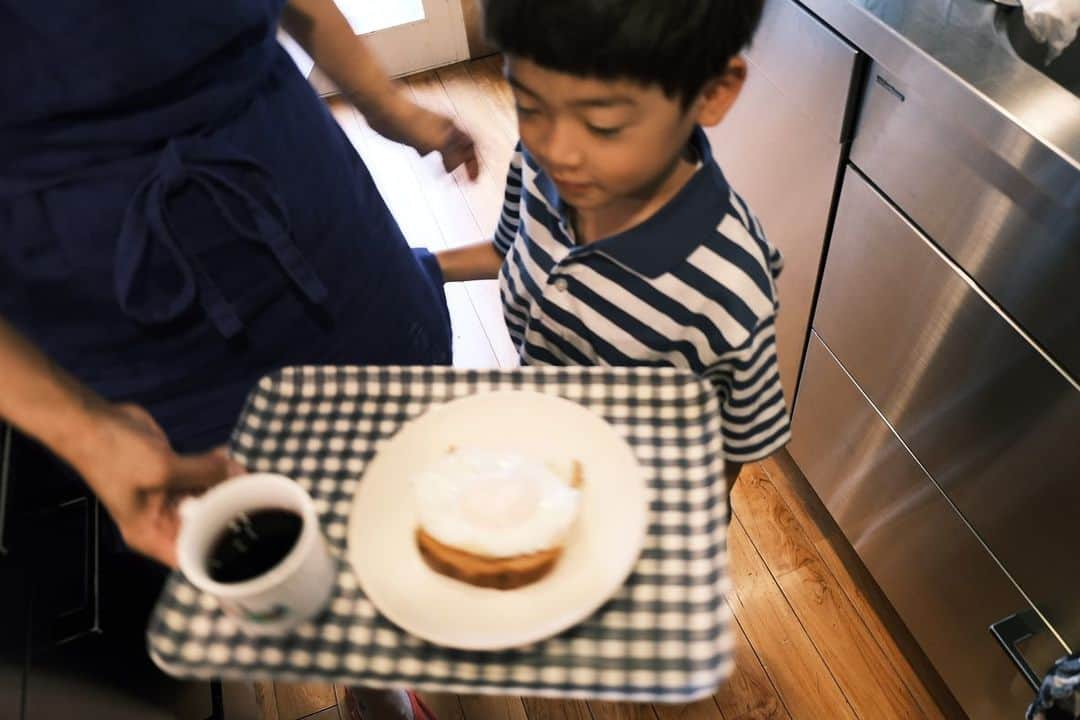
(253, 543)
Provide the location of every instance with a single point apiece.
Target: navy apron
(180, 214)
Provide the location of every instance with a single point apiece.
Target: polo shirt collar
(663, 241)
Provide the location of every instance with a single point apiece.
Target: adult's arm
(325, 34)
(121, 453)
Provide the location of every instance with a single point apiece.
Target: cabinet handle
(1013, 630)
(5, 472)
(890, 88)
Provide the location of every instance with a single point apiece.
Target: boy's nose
(561, 149)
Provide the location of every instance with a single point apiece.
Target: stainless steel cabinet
(1015, 228)
(781, 148)
(989, 417)
(939, 577)
(938, 414)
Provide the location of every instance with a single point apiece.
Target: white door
(406, 35)
(410, 35)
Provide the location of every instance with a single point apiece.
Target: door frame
(437, 41)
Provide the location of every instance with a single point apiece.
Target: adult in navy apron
(180, 214)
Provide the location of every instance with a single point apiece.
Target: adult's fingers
(194, 474)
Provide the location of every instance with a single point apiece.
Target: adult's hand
(119, 450)
(427, 131)
(140, 480)
(324, 33)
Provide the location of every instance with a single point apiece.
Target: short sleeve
(755, 417)
(511, 211)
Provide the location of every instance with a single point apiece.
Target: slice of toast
(498, 573)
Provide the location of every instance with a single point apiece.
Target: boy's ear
(720, 93)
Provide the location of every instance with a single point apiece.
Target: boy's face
(605, 141)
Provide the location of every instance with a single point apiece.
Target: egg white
(494, 503)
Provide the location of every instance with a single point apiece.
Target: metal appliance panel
(990, 418)
(942, 582)
(959, 55)
(813, 67)
(780, 149)
(1018, 238)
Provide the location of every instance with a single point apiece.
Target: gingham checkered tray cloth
(664, 637)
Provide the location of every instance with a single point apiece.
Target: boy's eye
(528, 111)
(603, 131)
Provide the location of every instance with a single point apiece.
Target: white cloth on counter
(1053, 23)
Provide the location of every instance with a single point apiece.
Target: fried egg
(495, 504)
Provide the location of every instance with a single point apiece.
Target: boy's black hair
(676, 44)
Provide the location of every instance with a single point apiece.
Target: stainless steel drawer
(810, 64)
(940, 579)
(990, 418)
(1014, 229)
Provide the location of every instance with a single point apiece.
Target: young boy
(621, 242)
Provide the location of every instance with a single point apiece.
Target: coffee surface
(252, 544)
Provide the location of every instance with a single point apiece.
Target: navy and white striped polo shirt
(691, 287)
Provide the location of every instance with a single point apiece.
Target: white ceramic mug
(294, 590)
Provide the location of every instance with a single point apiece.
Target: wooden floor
(816, 641)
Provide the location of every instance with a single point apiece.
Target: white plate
(598, 556)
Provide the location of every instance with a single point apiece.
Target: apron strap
(216, 170)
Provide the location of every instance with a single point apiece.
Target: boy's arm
(480, 261)
(483, 260)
